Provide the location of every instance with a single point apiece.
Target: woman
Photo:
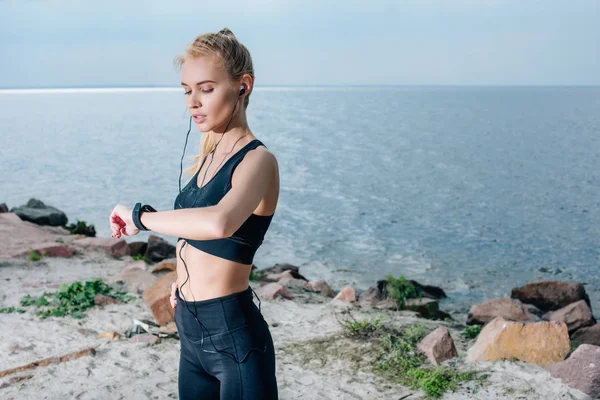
(220, 219)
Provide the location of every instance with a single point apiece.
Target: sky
(309, 42)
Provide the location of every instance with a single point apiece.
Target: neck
(238, 128)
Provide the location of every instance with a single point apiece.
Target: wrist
(137, 213)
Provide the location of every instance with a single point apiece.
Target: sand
(123, 370)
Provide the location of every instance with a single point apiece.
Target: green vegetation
(81, 228)
(35, 255)
(59, 240)
(399, 289)
(139, 257)
(361, 328)
(72, 300)
(393, 355)
(471, 332)
(255, 275)
(8, 310)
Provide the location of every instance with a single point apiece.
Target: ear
(248, 83)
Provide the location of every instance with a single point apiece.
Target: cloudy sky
(308, 42)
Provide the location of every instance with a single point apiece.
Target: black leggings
(235, 359)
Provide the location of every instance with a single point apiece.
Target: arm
(249, 184)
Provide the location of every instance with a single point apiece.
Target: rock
(370, 297)
(273, 290)
(320, 286)
(158, 249)
(581, 370)
(137, 248)
(136, 279)
(170, 264)
(37, 212)
(102, 300)
(3, 208)
(346, 294)
(51, 249)
(288, 280)
(432, 292)
(11, 217)
(288, 274)
(541, 343)
(550, 295)
(112, 335)
(17, 237)
(157, 298)
(438, 346)
(135, 265)
(113, 246)
(587, 335)
(279, 268)
(575, 315)
(426, 307)
(509, 309)
(144, 338)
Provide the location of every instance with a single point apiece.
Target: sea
(475, 189)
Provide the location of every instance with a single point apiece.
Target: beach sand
(123, 370)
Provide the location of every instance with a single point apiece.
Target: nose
(192, 102)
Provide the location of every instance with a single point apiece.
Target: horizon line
(177, 88)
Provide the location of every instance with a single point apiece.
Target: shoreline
(299, 324)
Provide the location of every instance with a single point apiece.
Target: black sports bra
(242, 245)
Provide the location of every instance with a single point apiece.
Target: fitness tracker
(136, 214)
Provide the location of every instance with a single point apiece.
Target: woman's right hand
(173, 298)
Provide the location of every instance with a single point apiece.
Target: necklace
(213, 156)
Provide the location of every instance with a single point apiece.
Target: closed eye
(204, 91)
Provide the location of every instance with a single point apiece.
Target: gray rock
(37, 212)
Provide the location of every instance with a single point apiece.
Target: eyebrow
(199, 83)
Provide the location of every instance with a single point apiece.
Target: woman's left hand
(121, 222)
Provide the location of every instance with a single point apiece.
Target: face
(209, 94)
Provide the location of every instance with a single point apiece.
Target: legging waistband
(201, 303)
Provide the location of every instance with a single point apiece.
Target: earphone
(195, 314)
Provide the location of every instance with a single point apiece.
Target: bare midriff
(209, 276)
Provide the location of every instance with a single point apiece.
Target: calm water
(470, 189)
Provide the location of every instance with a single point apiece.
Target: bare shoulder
(261, 157)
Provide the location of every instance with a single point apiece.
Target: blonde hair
(235, 60)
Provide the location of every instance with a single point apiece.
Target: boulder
(170, 264)
(320, 286)
(288, 280)
(157, 298)
(116, 247)
(370, 297)
(432, 292)
(273, 290)
(51, 249)
(588, 335)
(279, 268)
(137, 248)
(575, 315)
(37, 212)
(509, 309)
(159, 249)
(581, 370)
(438, 346)
(426, 307)
(136, 279)
(550, 295)
(541, 343)
(347, 294)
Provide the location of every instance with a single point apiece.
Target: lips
(199, 118)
